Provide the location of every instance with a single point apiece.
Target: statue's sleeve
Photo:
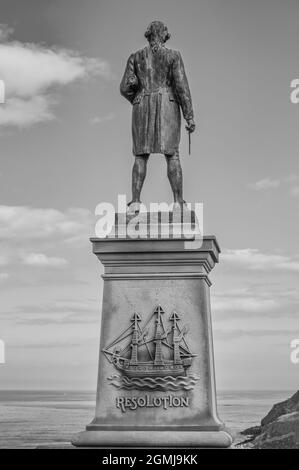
(126, 89)
(181, 87)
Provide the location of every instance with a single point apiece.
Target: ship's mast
(176, 339)
(158, 337)
(134, 344)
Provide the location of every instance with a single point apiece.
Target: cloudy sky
(65, 146)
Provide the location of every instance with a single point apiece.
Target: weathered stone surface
(152, 438)
(142, 401)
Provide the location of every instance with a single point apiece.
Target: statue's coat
(161, 92)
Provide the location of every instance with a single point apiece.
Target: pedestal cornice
(149, 258)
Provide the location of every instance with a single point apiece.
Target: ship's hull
(152, 370)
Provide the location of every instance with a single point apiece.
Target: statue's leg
(138, 176)
(175, 176)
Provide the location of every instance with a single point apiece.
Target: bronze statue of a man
(156, 85)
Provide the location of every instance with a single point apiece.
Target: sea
(30, 419)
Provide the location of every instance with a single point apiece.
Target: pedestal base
(156, 383)
(153, 439)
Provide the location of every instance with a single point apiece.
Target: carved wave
(157, 383)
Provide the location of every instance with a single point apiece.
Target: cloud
(290, 181)
(249, 304)
(257, 300)
(5, 32)
(4, 260)
(231, 334)
(43, 238)
(74, 307)
(90, 342)
(4, 276)
(22, 112)
(42, 260)
(295, 191)
(59, 320)
(29, 224)
(251, 258)
(100, 119)
(292, 178)
(31, 72)
(263, 184)
(56, 312)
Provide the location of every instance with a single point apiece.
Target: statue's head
(157, 32)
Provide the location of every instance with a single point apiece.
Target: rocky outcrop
(279, 429)
(282, 408)
(282, 433)
(252, 432)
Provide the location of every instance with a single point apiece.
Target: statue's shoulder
(144, 51)
(173, 54)
(141, 52)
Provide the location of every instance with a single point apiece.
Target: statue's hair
(157, 29)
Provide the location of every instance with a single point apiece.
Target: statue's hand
(190, 127)
(132, 81)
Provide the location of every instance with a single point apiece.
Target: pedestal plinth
(156, 384)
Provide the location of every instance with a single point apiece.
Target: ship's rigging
(151, 349)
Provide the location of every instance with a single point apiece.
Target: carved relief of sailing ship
(151, 350)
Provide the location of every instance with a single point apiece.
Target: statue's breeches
(156, 123)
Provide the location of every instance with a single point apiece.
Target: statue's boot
(182, 205)
(133, 207)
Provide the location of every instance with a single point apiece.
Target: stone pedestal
(156, 384)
